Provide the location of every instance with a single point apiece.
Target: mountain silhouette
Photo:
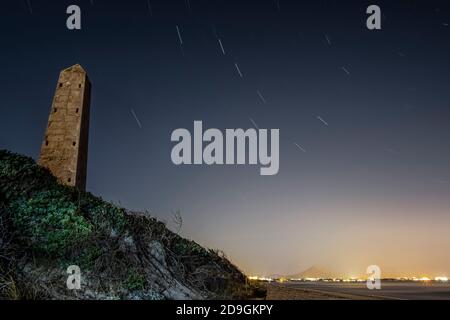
(312, 272)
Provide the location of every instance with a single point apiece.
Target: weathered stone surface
(65, 147)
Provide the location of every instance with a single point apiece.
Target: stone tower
(65, 147)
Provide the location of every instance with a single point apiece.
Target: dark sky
(373, 186)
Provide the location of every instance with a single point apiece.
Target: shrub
(135, 281)
(50, 222)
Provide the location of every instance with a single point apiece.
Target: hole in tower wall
(60, 85)
(73, 143)
(54, 109)
(76, 111)
(68, 180)
(46, 142)
(79, 86)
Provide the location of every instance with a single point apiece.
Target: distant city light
(348, 280)
(311, 279)
(259, 278)
(443, 279)
(421, 279)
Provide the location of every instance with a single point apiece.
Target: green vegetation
(50, 222)
(136, 281)
(46, 226)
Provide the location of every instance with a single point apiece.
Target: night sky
(363, 116)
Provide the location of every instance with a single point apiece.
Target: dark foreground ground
(329, 290)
